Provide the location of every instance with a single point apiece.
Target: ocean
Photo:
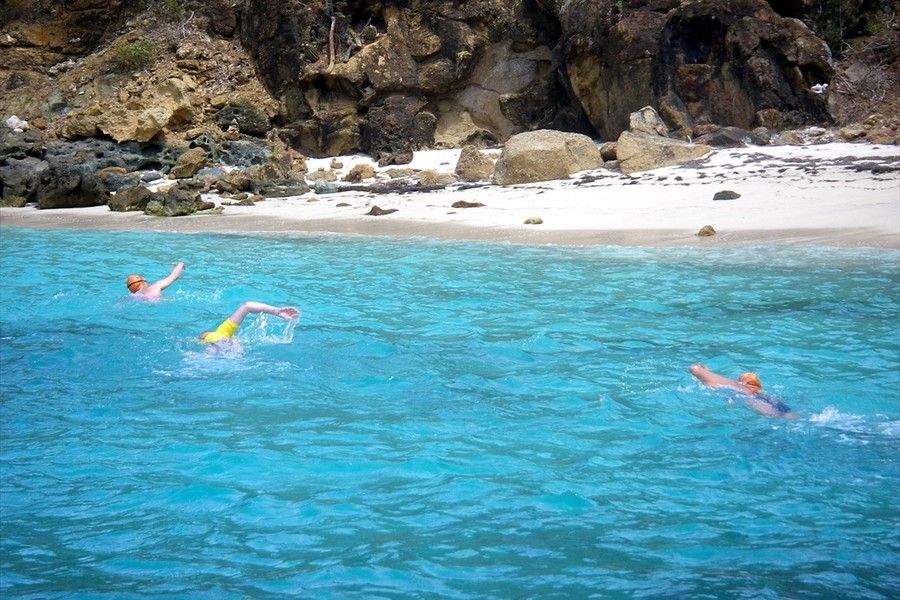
(455, 420)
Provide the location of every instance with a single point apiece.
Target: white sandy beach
(837, 194)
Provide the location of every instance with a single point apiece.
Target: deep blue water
(446, 420)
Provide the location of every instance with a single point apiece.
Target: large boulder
(69, 184)
(21, 177)
(177, 201)
(642, 152)
(544, 155)
(131, 199)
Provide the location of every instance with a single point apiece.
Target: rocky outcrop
(544, 155)
(402, 76)
(388, 78)
(716, 61)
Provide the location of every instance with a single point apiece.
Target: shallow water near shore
(446, 420)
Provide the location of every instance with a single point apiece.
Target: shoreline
(405, 229)
(841, 195)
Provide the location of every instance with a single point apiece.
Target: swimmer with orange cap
(750, 386)
(230, 325)
(141, 289)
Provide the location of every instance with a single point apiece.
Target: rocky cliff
(328, 77)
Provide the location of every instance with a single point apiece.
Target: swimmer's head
(135, 283)
(751, 382)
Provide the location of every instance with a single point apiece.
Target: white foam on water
(832, 417)
(258, 331)
(851, 426)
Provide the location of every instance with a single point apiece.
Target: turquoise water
(446, 420)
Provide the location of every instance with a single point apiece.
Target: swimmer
(230, 325)
(137, 286)
(749, 385)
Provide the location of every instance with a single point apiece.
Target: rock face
(324, 77)
(643, 152)
(544, 155)
(403, 76)
(717, 61)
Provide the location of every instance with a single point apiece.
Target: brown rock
(376, 211)
(188, 163)
(360, 172)
(706, 231)
(474, 165)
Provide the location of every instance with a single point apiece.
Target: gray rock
(726, 137)
(325, 187)
(117, 181)
(726, 195)
(250, 119)
(21, 177)
(241, 153)
(466, 204)
(69, 184)
(151, 176)
(646, 120)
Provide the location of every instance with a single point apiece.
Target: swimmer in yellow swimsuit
(230, 325)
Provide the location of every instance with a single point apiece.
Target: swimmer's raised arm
(714, 380)
(164, 283)
(284, 312)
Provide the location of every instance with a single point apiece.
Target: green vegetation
(839, 20)
(136, 55)
(173, 10)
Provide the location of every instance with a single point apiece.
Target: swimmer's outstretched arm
(714, 380)
(284, 312)
(164, 283)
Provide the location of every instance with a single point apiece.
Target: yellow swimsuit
(222, 332)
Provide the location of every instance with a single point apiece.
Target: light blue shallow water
(449, 420)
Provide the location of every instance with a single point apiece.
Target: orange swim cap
(134, 283)
(751, 381)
